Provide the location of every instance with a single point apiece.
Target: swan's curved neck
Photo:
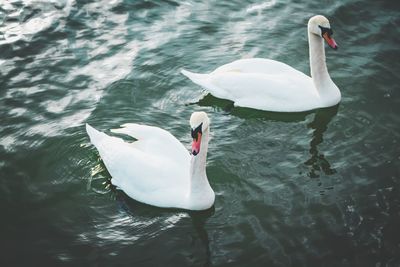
(328, 92)
(319, 71)
(199, 186)
(198, 165)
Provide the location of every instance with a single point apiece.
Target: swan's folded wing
(143, 176)
(262, 91)
(149, 175)
(154, 140)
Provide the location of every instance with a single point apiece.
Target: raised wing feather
(154, 140)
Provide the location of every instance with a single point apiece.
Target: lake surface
(306, 189)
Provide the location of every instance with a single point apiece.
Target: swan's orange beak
(196, 144)
(331, 42)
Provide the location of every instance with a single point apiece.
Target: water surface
(319, 188)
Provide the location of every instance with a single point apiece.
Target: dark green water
(313, 189)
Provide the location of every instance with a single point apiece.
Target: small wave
(262, 6)
(34, 17)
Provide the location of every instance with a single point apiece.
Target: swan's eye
(195, 132)
(326, 30)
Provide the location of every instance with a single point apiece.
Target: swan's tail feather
(94, 135)
(195, 77)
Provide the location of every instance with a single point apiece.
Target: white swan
(157, 169)
(274, 86)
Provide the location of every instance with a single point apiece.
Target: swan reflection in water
(317, 162)
(199, 219)
(161, 219)
(136, 223)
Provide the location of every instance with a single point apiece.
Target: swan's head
(199, 123)
(319, 25)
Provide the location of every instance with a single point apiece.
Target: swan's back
(259, 65)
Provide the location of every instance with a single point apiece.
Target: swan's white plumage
(154, 170)
(271, 85)
(259, 83)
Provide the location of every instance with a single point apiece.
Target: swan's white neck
(201, 193)
(319, 71)
(327, 90)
